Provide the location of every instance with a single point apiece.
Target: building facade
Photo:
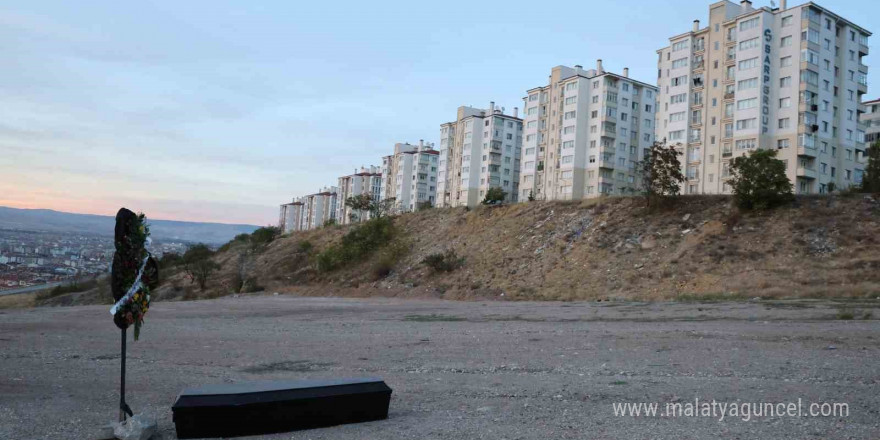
(319, 208)
(409, 176)
(789, 79)
(480, 150)
(871, 121)
(363, 181)
(585, 133)
(291, 217)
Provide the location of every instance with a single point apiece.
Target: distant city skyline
(219, 111)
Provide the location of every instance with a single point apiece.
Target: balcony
(806, 173)
(605, 163)
(729, 95)
(807, 151)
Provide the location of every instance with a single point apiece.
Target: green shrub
(359, 242)
(75, 285)
(304, 246)
(443, 262)
(388, 257)
(871, 178)
(264, 235)
(198, 265)
(845, 315)
(494, 196)
(170, 260)
(240, 238)
(759, 181)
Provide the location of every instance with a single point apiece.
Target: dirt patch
(301, 366)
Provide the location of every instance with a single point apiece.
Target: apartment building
(480, 150)
(319, 208)
(409, 176)
(790, 79)
(871, 121)
(291, 217)
(367, 180)
(585, 132)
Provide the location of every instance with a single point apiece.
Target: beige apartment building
(291, 217)
(480, 150)
(585, 132)
(790, 79)
(409, 176)
(367, 180)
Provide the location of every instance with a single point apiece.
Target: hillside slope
(608, 249)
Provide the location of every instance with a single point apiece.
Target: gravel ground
(497, 370)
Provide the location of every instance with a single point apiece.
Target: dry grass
(19, 301)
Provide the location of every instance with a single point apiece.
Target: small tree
(759, 180)
(494, 196)
(871, 178)
(198, 265)
(424, 205)
(360, 203)
(531, 196)
(382, 208)
(660, 173)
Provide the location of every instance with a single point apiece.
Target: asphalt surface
(459, 370)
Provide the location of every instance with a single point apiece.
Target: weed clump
(443, 262)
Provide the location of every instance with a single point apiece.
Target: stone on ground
(139, 427)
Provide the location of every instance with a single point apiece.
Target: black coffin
(267, 407)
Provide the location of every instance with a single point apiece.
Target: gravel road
(496, 370)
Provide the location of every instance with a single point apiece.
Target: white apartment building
(481, 149)
(291, 217)
(585, 133)
(319, 208)
(410, 176)
(363, 181)
(790, 79)
(871, 121)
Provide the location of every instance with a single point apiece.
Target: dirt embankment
(607, 249)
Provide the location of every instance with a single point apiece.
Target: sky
(222, 110)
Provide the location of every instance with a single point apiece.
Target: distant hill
(56, 221)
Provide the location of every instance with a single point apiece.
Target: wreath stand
(124, 409)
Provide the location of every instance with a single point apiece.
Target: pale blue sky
(221, 110)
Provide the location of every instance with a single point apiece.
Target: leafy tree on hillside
(366, 203)
(494, 196)
(660, 173)
(360, 203)
(198, 265)
(531, 196)
(759, 180)
(871, 178)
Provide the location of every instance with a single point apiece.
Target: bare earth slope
(608, 249)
